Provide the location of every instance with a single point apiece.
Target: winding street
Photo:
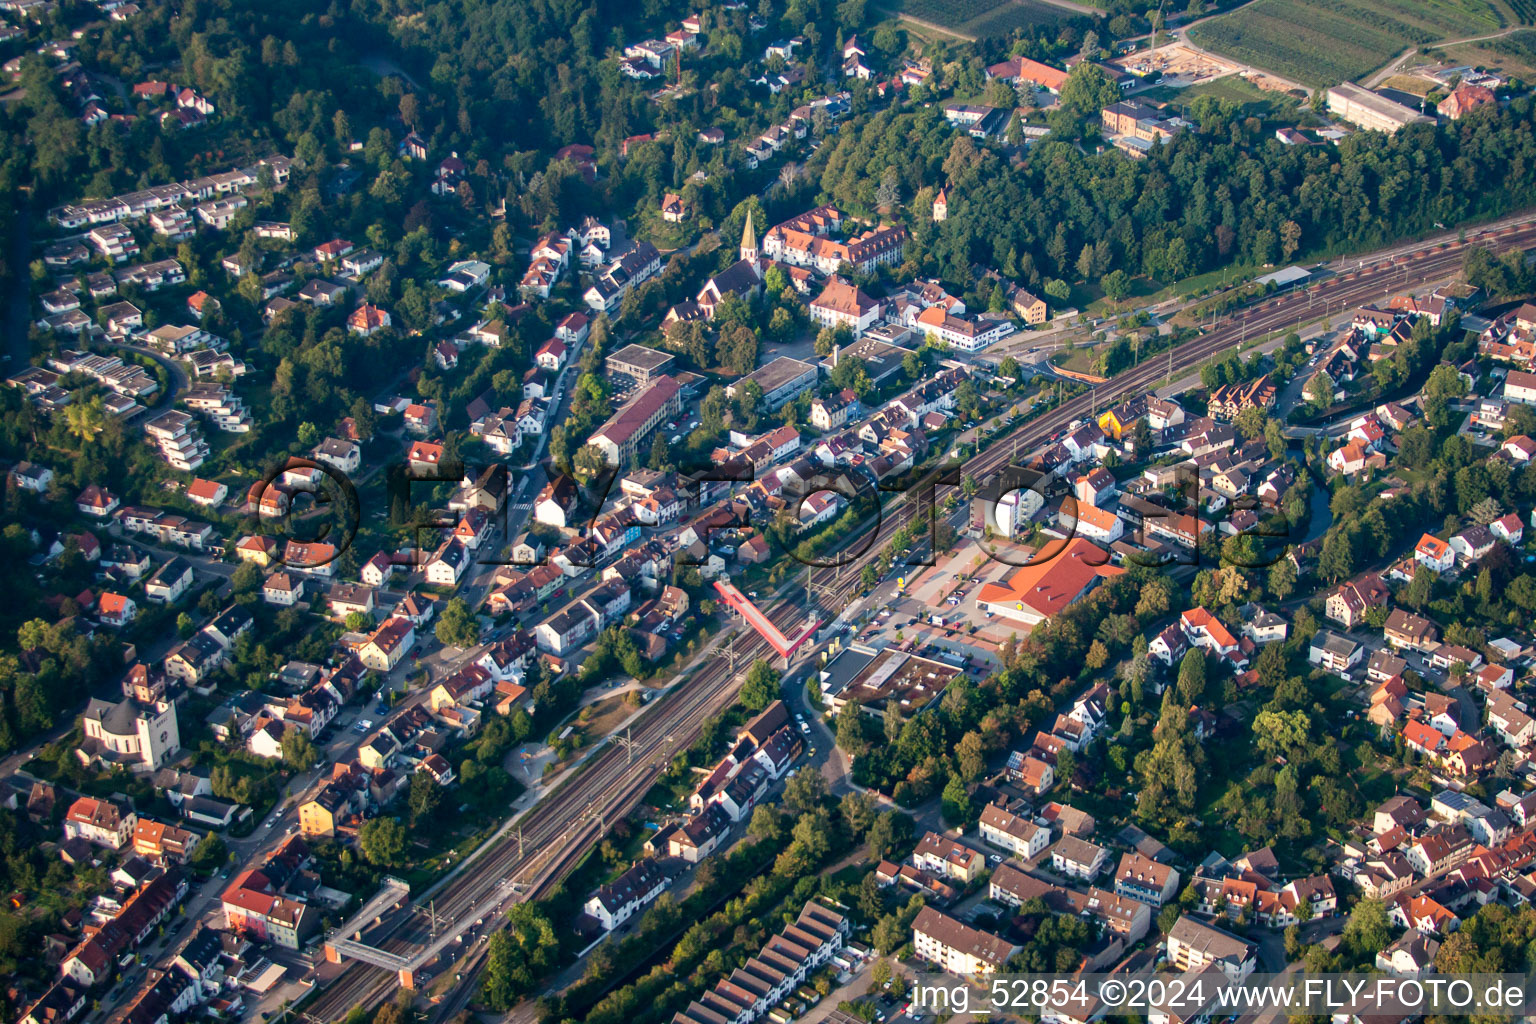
(179, 381)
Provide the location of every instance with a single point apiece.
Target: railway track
(559, 830)
(1266, 318)
(562, 827)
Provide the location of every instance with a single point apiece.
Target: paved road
(1396, 64)
(179, 380)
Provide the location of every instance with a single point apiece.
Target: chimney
(835, 349)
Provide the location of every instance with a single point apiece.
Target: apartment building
(100, 822)
(95, 959)
(805, 241)
(632, 425)
(841, 303)
(176, 435)
(1193, 945)
(958, 948)
(617, 901)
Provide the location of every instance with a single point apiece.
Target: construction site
(1178, 65)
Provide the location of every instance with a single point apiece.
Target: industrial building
(1370, 110)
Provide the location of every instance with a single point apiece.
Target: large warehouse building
(1370, 110)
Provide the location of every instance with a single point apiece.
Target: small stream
(1321, 515)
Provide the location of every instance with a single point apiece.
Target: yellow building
(1029, 307)
(1110, 423)
(318, 817)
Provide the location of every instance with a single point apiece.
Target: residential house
(100, 822)
(947, 858)
(1335, 653)
(1406, 631)
(1146, 880)
(388, 644)
(1434, 553)
(1350, 602)
(1012, 832)
(1078, 858)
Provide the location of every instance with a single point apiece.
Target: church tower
(749, 241)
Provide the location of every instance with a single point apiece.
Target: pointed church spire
(749, 240)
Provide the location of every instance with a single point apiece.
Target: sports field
(1250, 99)
(1320, 43)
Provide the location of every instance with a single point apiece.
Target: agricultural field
(1514, 54)
(1024, 14)
(977, 19)
(1520, 12)
(1321, 43)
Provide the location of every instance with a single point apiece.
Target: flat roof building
(1007, 500)
(872, 679)
(639, 363)
(1370, 110)
(881, 360)
(781, 380)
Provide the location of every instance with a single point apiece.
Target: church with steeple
(743, 278)
(749, 241)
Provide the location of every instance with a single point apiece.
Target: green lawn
(1265, 104)
(1078, 359)
(1410, 83)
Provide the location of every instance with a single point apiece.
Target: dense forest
(1217, 196)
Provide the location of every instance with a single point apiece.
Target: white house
(844, 304)
(1078, 858)
(1012, 832)
(613, 904)
(448, 564)
(1095, 524)
(1434, 553)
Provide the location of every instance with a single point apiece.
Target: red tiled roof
(1049, 585)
